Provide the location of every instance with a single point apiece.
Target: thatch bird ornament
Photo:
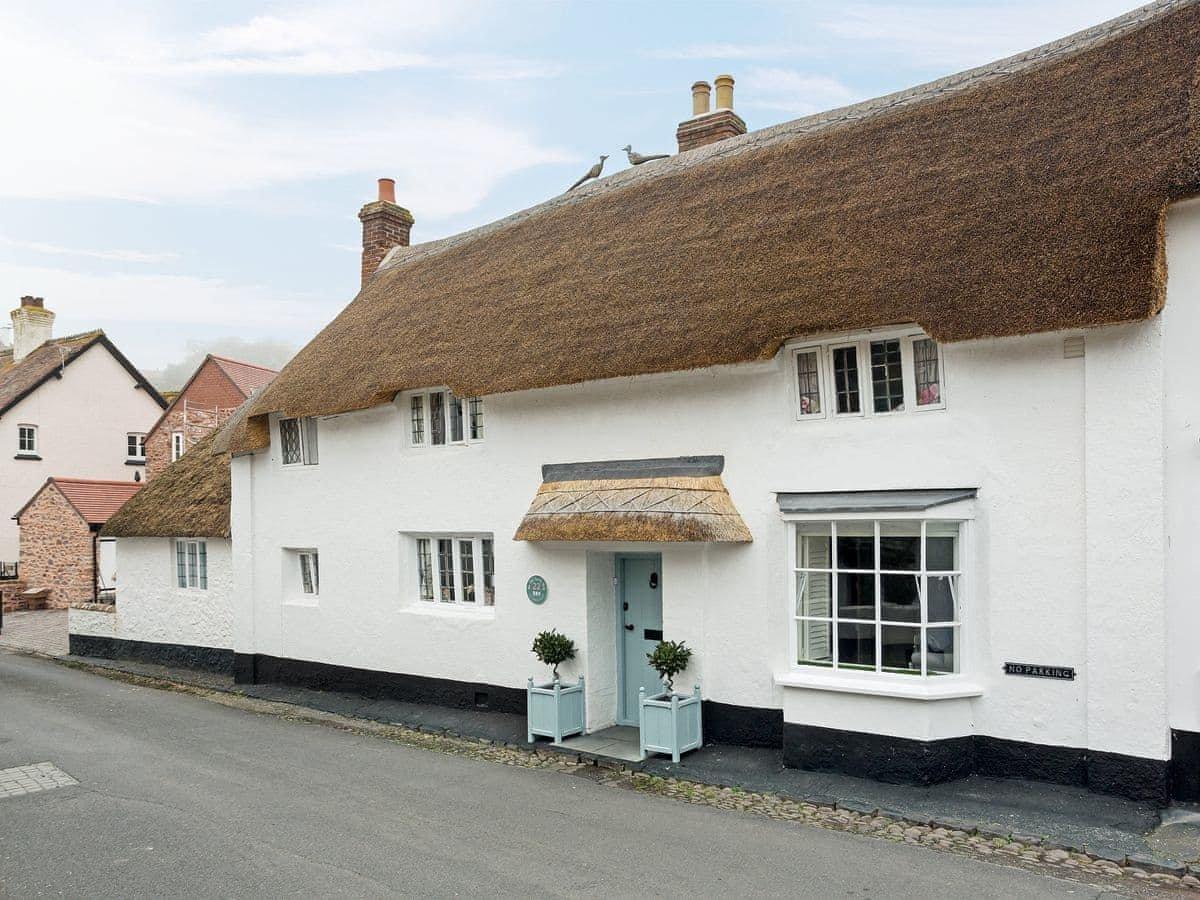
(636, 159)
(593, 172)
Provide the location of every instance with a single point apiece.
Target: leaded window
(475, 407)
(298, 441)
(310, 573)
(887, 376)
(438, 418)
(417, 406)
(446, 570)
(808, 381)
(845, 379)
(457, 565)
(926, 372)
(191, 564)
(877, 595)
(424, 569)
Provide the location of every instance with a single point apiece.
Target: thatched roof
(1024, 196)
(190, 498)
(680, 499)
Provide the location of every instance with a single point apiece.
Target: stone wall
(56, 550)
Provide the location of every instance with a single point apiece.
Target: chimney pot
(36, 302)
(724, 85)
(700, 98)
(387, 190)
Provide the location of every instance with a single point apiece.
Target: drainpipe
(95, 566)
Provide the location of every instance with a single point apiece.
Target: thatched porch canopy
(669, 500)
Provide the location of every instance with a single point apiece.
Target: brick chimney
(709, 126)
(385, 225)
(32, 324)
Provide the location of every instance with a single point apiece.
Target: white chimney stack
(32, 326)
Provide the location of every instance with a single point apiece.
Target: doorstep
(1072, 818)
(620, 742)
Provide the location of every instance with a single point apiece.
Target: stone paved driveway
(42, 631)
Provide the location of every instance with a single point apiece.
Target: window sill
(906, 687)
(451, 610)
(134, 461)
(304, 602)
(32, 456)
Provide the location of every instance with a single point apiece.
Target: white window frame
(406, 406)
(178, 447)
(478, 571)
(309, 441)
(194, 571)
(293, 584)
(866, 395)
(961, 513)
(140, 444)
(32, 431)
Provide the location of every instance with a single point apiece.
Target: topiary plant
(669, 659)
(553, 649)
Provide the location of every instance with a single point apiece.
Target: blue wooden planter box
(554, 710)
(670, 723)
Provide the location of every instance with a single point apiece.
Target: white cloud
(135, 256)
(719, 50)
(105, 110)
(963, 36)
(791, 91)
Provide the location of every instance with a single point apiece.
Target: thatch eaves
(1021, 197)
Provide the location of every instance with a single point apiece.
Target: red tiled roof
(247, 376)
(96, 501)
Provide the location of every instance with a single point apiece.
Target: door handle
(629, 628)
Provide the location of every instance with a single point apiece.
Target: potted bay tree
(553, 710)
(670, 722)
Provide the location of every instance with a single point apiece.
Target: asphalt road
(179, 796)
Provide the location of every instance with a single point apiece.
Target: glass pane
(456, 419)
(901, 647)
(856, 596)
(489, 573)
(887, 378)
(901, 598)
(446, 569)
(813, 546)
(437, 418)
(845, 379)
(306, 574)
(900, 546)
(856, 645)
(940, 650)
(475, 405)
(417, 414)
(191, 564)
(808, 378)
(311, 457)
(943, 592)
(180, 564)
(289, 441)
(466, 555)
(813, 644)
(203, 547)
(941, 547)
(813, 594)
(925, 372)
(856, 545)
(424, 569)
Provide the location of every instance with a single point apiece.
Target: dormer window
(298, 441)
(882, 375)
(438, 418)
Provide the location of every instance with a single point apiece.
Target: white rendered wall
(1181, 439)
(82, 420)
(1020, 423)
(151, 607)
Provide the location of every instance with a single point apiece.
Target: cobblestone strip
(1015, 850)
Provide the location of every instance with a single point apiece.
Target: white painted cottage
(887, 412)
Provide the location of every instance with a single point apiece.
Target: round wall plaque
(536, 589)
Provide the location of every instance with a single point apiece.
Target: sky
(187, 175)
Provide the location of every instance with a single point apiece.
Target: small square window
(298, 441)
(27, 439)
(135, 446)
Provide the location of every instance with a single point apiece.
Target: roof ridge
(241, 362)
(821, 121)
(59, 479)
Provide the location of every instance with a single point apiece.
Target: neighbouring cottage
(210, 396)
(72, 406)
(886, 412)
(63, 560)
(174, 600)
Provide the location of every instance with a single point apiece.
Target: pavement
(179, 796)
(1060, 815)
(36, 631)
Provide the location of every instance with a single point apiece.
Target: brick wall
(56, 550)
(384, 226)
(199, 423)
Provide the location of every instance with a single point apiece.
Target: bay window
(879, 375)
(881, 595)
(458, 569)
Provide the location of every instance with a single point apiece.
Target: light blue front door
(639, 580)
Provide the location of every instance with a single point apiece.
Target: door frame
(619, 595)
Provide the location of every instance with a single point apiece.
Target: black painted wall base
(744, 726)
(1185, 765)
(906, 761)
(208, 659)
